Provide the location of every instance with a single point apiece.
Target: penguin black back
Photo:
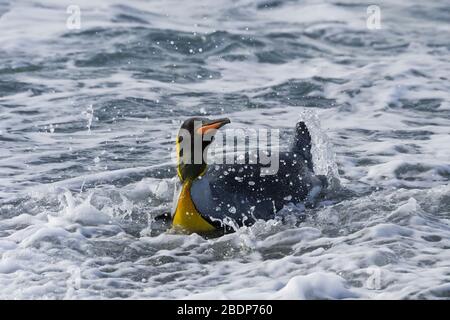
(301, 143)
(242, 193)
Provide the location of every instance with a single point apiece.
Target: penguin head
(193, 139)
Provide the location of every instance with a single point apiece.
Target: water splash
(323, 154)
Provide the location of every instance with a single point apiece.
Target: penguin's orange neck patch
(186, 217)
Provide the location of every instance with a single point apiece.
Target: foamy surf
(87, 126)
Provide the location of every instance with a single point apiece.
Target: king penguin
(222, 197)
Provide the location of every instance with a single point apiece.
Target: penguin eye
(180, 139)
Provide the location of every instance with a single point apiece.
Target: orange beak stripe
(211, 126)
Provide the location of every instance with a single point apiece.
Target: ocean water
(87, 122)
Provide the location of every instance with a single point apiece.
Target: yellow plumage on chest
(186, 217)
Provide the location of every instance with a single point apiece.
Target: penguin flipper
(302, 143)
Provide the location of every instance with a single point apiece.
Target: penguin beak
(213, 125)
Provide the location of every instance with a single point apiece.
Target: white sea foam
(80, 189)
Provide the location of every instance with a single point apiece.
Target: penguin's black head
(193, 139)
